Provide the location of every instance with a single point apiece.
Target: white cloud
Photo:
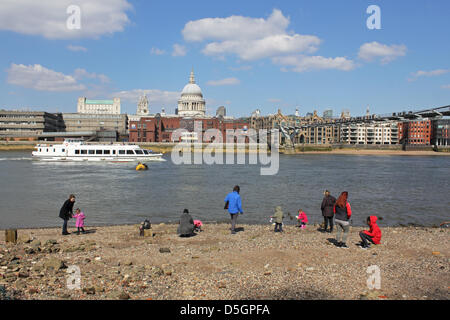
(374, 50)
(157, 52)
(48, 18)
(249, 38)
(179, 50)
(224, 82)
(76, 48)
(235, 27)
(263, 48)
(309, 63)
(155, 96)
(432, 73)
(81, 73)
(40, 78)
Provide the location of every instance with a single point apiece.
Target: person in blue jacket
(234, 206)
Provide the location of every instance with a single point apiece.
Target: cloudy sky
(314, 55)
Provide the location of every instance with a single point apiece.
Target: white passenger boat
(77, 150)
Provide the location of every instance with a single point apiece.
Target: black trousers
(278, 227)
(365, 238)
(328, 220)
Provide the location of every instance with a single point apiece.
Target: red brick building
(160, 129)
(416, 132)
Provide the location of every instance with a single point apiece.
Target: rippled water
(401, 189)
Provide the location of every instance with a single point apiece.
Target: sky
(246, 55)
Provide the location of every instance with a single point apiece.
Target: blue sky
(316, 55)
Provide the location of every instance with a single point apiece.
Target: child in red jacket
(372, 235)
(302, 219)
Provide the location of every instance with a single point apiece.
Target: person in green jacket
(278, 219)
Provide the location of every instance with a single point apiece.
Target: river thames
(401, 189)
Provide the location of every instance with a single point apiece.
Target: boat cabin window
(53, 149)
(130, 152)
(39, 149)
(77, 151)
(139, 151)
(121, 151)
(114, 151)
(91, 151)
(106, 151)
(47, 149)
(145, 151)
(63, 150)
(83, 151)
(98, 151)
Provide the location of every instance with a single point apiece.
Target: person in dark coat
(186, 227)
(66, 212)
(327, 210)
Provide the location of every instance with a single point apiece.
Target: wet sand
(256, 263)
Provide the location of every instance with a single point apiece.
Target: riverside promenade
(256, 263)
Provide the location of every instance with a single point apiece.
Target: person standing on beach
(278, 219)
(234, 206)
(343, 212)
(327, 210)
(66, 212)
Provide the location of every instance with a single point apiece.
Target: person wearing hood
(372, 235)
(186, 227)
(327, 210)
(278, 219)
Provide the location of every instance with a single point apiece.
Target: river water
(401, 189)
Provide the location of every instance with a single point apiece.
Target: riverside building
(28, 125)
(98, 106)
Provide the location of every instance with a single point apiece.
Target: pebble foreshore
(256, 263)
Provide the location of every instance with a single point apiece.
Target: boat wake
(15, 159)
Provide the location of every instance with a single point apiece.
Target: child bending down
(302, 219)
(373, 235)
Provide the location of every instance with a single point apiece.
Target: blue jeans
(64, 228)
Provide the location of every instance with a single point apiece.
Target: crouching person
(186, 227)
(373, 235)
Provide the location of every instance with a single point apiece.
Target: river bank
(347, 150)
(256, 263)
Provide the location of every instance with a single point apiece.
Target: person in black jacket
(66, 212)
(327, 210)
(186, 227)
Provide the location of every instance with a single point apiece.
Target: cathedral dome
(192, 89)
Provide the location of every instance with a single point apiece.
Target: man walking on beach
(66, 213)
(234, 206)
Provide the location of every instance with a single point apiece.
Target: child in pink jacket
(302, 219)
(80, 220)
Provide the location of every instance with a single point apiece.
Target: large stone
(54, 264)
(164, 250)
(24, 238)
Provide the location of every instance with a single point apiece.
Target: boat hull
(155, 157)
